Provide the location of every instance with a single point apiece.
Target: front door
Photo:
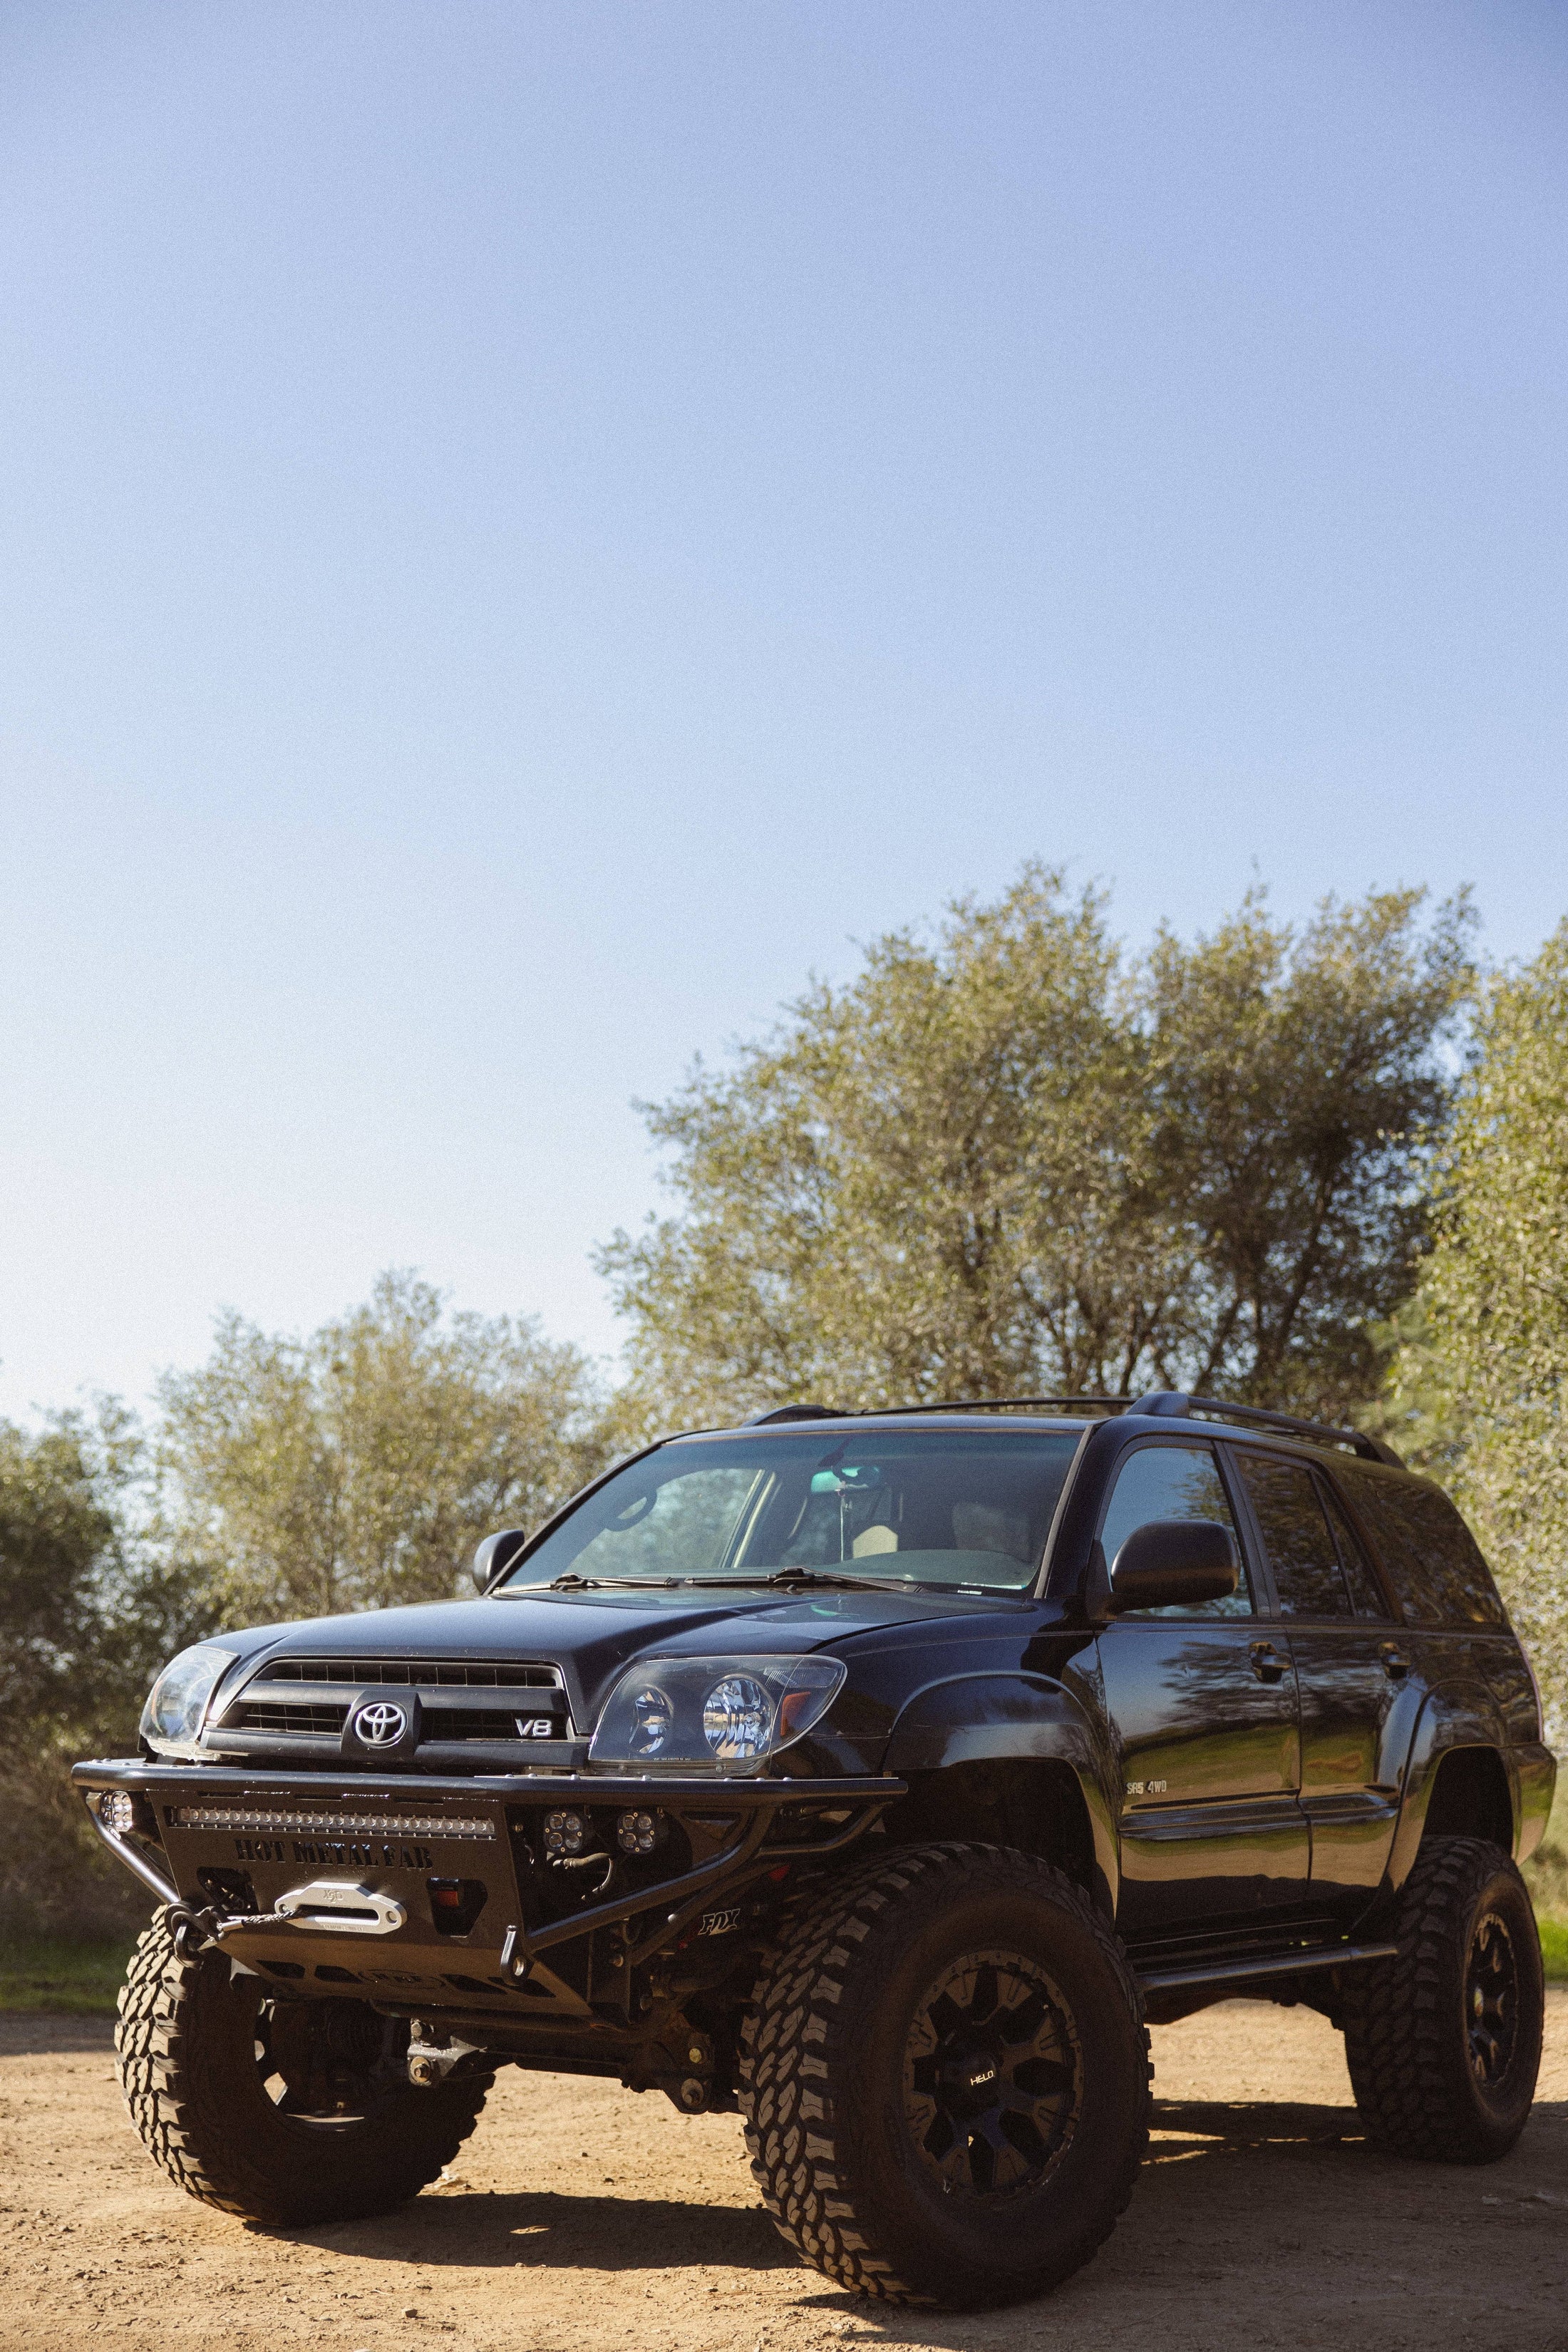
(1359, 1693)
(1203, 1702)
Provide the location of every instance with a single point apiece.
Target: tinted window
(1296, 1536)
(1172, 1482)
(1366, 1591)
(1432, 1559)
(929, 1506)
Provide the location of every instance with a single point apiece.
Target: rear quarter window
(1430, 1556)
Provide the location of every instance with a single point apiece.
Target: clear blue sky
(529, 528)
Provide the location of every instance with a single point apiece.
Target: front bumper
(229, 1845)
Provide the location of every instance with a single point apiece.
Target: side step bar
(1285, 1964)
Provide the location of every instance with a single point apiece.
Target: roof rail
(1173, 1404)
(954, 1404)
(998, 1404)
(789, 1412)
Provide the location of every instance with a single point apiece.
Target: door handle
(1266, 1663)
(1396, 1665)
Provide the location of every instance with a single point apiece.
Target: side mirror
(1169, 1563)
(496, 1555)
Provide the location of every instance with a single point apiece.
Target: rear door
(1203, 1704)
(1353, 1673)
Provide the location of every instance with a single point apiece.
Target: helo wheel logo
(381, 1725)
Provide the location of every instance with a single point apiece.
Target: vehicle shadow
(1271, 2221)
(551, 2230)
(1235, 2201)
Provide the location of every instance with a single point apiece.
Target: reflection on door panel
(1204, 1703)
(1356, 1712)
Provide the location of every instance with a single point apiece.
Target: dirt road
(586, 2220)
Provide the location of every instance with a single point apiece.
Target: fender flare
(1456, 1713)
(991, 1718)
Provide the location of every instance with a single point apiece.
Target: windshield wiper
(573, 1583)
(787, 1579)
(783, 1579)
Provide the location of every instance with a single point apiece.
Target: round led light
(566, 1833)
(737, 1717)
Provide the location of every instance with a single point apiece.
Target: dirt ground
(583, 2219)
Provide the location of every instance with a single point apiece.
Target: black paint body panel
(1218, 1780)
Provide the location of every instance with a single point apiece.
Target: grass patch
(69, 1979)
(1546, 1875)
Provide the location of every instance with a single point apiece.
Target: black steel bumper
(227, 1847)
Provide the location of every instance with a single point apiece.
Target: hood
(594, 1636)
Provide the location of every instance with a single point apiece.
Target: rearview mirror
(848, 1478)
(496, 1555)
(1173, 1563)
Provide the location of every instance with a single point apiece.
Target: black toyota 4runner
(877, 1776)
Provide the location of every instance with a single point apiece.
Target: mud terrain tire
(944, 2075)
(1444, 2043)
(197, 2048)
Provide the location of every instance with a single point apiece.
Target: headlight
(177, 1702)
(725, 1715)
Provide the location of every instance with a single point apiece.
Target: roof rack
(1173, 1404)
(954, 1404)
(1165, 1405)
(1002, 1404)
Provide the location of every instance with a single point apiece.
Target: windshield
(968, 1508)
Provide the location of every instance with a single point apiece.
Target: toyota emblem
(380, 1725)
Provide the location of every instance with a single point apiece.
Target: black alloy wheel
(1491, 2000)
(1443, 2039)
(327, 2062)
(945, 2077)
(993, 2075)
(282, 2109)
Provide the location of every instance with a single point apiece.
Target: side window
(1172, 1482)
(1366, 1591)
(1296, 1534)
(1433, 1560)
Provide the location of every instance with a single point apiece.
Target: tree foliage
(1479, 1386)
(285, 1478)
(1010, 1160)
(357, 1467)
(58, 1541)
(85, 1620)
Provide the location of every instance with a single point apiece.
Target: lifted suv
(877, 1776)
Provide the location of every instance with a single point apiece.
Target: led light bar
(256, 1817)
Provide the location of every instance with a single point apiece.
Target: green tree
(1478, 1388)
(1009, 1160)
(85, 1620)
(58, 1540)
(1298, 1081)
(358, 1467)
